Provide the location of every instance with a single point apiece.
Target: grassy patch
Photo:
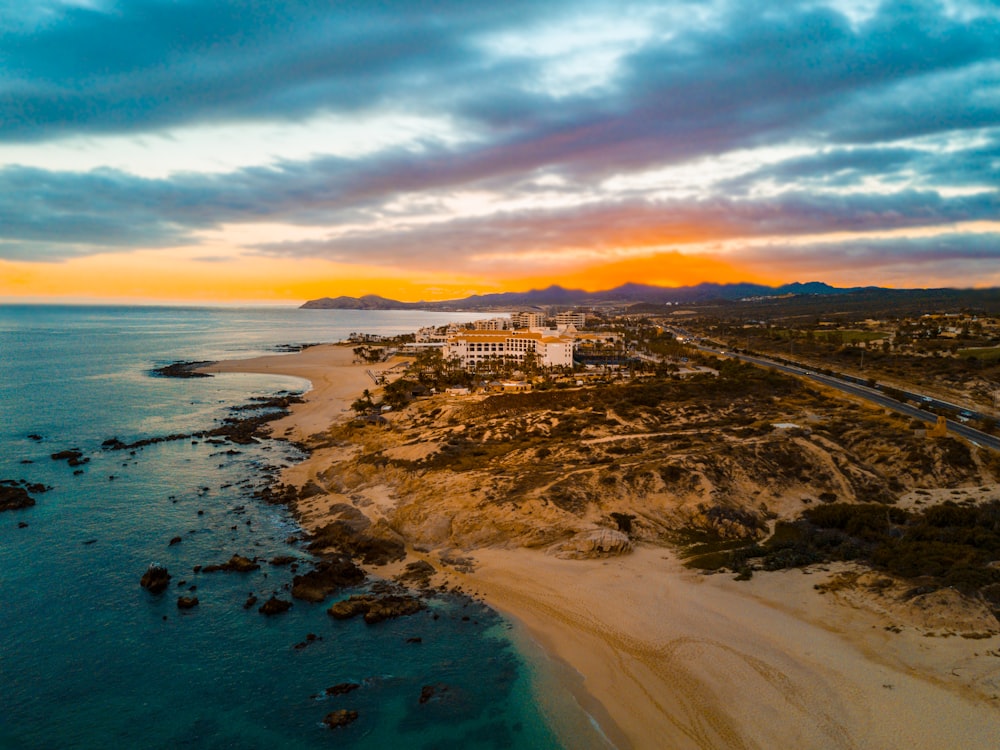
(944, 545)
(987, 354)
(851, 336)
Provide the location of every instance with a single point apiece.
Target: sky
(266, 151)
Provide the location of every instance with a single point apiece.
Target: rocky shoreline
(336, 552)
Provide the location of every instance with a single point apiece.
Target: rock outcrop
(73, 457)
(328, 576)
(14, 498)
(156, 579)
(596, 543)
(417, 574)
(342, 688)
(236, 564)
(375, 608)
(341, 718)
(275, 606)
(370, 548)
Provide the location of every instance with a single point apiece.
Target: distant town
(943, 362)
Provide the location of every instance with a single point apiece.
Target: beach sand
(336, 382)
(670, 658)
(679, 659)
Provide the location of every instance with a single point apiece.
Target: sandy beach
(683, 660)
(678, 659)
(336, 382)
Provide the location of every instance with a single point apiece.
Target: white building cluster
(432, 335)
(493, 324)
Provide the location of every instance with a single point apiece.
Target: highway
(876, 396)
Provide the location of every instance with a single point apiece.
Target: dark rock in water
(327, 577)
(415, 639)
(375, 608)
(182, 370)
(175, 540)
(340, 718)
(187, 602)
(236, 564)
(114, 444)
(275, 606)
(429, 691)
(14, 498)
(342, 688)
(251, 600)
(282, 560)
(73, 457)
(22, 525)
(155, 579)
(310, 639)
(89, 542)
(34, 436)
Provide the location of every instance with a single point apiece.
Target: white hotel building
(471, 347)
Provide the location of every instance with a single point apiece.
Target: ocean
(89, 659)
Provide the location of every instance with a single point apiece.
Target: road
(876, 396)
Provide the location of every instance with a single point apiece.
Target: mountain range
(627, 294)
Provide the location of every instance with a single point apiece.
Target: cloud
(150, 64)
(591, 230)
(893, 115)
(956, 260)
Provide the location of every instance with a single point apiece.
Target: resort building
(434, 335)
(473, 347)
(576, 319)
(493, 324)
(527, 319)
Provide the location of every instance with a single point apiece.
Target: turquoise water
(88, 659)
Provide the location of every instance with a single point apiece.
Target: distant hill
(368, 302)
(626, 294)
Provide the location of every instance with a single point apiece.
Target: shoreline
(666, 655)
(704, 661)
(336, 381)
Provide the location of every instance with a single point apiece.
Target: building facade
(527, 320)
(493, 324)
(576, 319)
(473, 347)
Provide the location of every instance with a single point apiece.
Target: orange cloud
(188, 276)
(161, 276)
(669, 268)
